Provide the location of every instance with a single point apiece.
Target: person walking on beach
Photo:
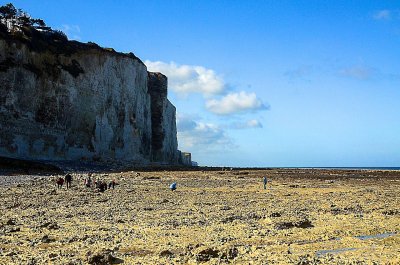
(68, 180)
(111, 184)
(173, 186)
(88, 182)
(265, 181)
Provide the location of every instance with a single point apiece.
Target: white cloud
(235, 103)
(358, 72)
(382, 14)
(72, 31)
(185, 124)
(247, 125)
(200, 136)
(184, 79)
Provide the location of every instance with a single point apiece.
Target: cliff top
(17, 26)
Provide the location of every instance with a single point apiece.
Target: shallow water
(333, 251)
(362, 237)
(379, 236)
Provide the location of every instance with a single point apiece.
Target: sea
(349, 168)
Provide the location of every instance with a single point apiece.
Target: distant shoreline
(18, 172)
(8, 165)
(346, 168)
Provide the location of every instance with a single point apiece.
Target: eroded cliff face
(88, 104)
(163, 120)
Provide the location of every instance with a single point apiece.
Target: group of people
(89, 183)
(67, 179)
(102, 185)
(98, 184)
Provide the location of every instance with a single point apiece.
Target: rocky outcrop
(65, 100)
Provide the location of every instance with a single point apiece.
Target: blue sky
(261, 83)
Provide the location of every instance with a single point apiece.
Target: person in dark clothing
(101, 186)
(60, 182)
(88, 182)
(68, 180)
(265, 181)
(111, 184)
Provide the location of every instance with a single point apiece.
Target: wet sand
(305, 216)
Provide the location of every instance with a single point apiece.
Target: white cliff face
(170, 141)
(90, 104)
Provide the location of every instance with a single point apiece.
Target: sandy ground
(214, 217)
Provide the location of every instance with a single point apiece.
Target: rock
(309, 260)
(32, 261)
(284, 225)
(225, 239)
(72, 239)
(254, 216)
(50, 225)
(391, 212)
(47, 239)
(53, 226)
(225, 208)
(275, 215)
(11, 222)
(231, 253)
(102, 258)
(73, 262)
(45, 224)
(13, 230)
(230, 219)
(151, 178)
(166, 253)
(299, 224)
(304, 224)
(206, 255)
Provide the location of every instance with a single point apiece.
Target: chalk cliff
(65, 100)
(163, 120)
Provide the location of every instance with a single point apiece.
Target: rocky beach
(71, 109)
(216, 216)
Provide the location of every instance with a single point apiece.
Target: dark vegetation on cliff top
(18, 27)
